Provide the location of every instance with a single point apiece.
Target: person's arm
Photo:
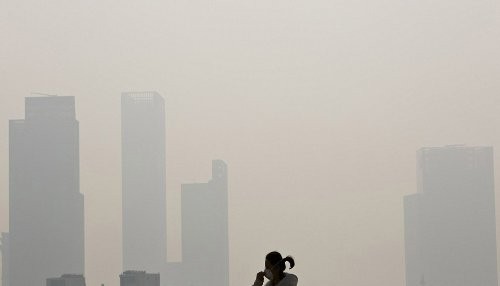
(259, 279)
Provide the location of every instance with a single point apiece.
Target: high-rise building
(67, 280)
(205, 248)
(143, 181)
(139, 278)
(46, 221)
(450, 233)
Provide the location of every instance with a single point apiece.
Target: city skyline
(204, 217)
(455, 178)
(204, 206)
(176, 270)
(316, 106)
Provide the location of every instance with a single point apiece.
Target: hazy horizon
(317, 108)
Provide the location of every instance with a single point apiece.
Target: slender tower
(143, 182)
(46, 219)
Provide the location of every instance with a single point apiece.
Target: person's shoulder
(291, 277)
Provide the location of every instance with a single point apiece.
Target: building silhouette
(204, 206)
(46, 222)
(205, 249)
(67, 280)
(143, 181)
(450, 233)
(139, 278)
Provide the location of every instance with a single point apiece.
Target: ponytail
(290, 260)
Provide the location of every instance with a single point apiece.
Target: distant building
(204, 206)
(143, 181)
(46, 221)
(450, 229)
(67, 280)
(5, 249)
(205, 247)
(139, 278)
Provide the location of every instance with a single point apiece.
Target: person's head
(276, 263)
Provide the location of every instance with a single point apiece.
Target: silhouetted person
(275, 271)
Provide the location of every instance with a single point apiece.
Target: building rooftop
(142, 96)
(50, 107)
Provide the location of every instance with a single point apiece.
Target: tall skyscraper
(205, 246)
(46, 221)
(450, 233)
(143, 181)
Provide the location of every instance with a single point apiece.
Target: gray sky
(317, 106)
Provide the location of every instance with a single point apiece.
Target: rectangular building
(143, 181)
(46, 220)
(205, 246)
(450, 229)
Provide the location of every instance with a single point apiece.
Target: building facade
(143, 181)
(46, 220)
(205, 246)
(450, 230)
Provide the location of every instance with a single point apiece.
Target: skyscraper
(205, 247)
(46, 219)
(143, 181)
(450, 233)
